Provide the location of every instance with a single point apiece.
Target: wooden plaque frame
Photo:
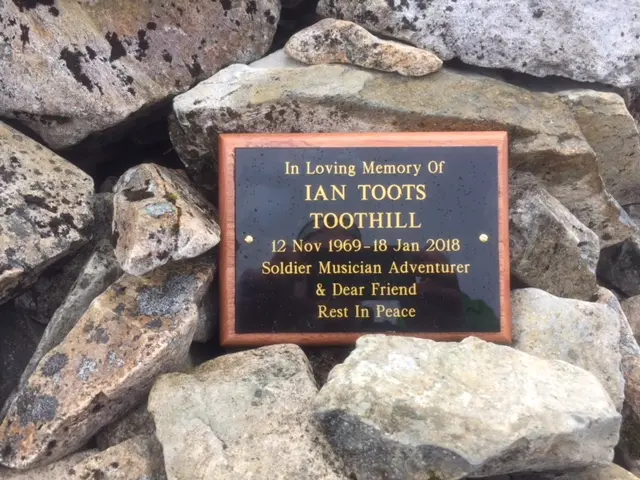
(227, 145)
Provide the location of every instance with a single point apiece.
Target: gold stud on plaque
(248, 239)
(484, 238)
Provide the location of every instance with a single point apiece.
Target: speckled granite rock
(159, 217)
(545, 140)
(45, 210)
(74, 68)
(613, 134)
(337, 41)
(55, 471)
(550, 248)
(580, 40)
(40, 302)
(260, 426)
(585, 334)
(139, 328)
(465, 409)
(596, 472)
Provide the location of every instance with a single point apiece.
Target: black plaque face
(335, 241)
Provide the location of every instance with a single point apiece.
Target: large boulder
(585, 334)
(138, 329)
(160, 216)
(550, 248)
(45, 209)
(73, 68)
(245, 415)
(579, 40)
(545, 140)
(403, 407)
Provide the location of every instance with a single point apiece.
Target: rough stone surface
(581, 40)
(550, 248)
(40, 302)
(138, 329)
(584, 334)
(613, 134)
(596, 472)
(470, 408)
(45, 210)
(207, 317)
(631, 307)
(19, 337)
(159, 216)
(74, 68)
(545, 139)
(99, 272)
(337, 41)
(58, 470)
(135, 423)
(260, 427)
(619, 265)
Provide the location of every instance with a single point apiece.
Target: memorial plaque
(330, 236)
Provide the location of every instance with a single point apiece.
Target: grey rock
(631, 307)
(584, 334)
(45, 210)
(136, 422)
(613, 134)
(19, 337)
(619, 265)
(138, 329)
(464, 409)
(545, 140)
(40, 302)
(261, 425)
(550, 248)
(337, 41)
(72, 69)
(581, 40)
(207, 317)
(596, 472)
(159, 216)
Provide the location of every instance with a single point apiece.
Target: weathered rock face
(613, 134)
(550, 248)
(337, 41)
(631, 307)
(40, 302)
(619, 265)
(584, 334)
(580, 41)
(470, 408)
(45, 210)
(135, 423)
(260, 427)
(159, 216)
(139, 328)
(70, 69)
(545, 139)
(597, 472)
(57, 470)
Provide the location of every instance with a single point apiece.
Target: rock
(632, 99)
(550, 248)
(45, 210)
(619, 265)
(596, 472)
(207, 317)
(537, 39)
(40, 302)
(324, 359)
(159, 216)
(72, 69)
(337, 41)
(135, 423)
(470, 408)
(139, 458)
(545, 140)
(584, 334)
(613, 134)
(58, 470)
(139, 328)
(19, 337)
(631, 307)
(260, 427)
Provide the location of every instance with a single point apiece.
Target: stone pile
(105, 296)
